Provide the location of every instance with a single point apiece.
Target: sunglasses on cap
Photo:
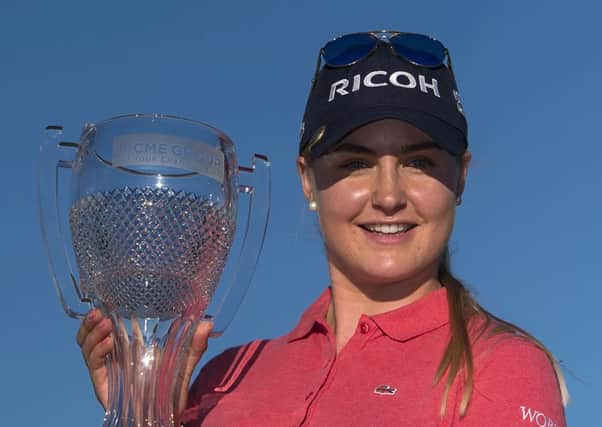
(418, 49)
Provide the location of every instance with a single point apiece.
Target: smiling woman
(386, 201)
(395, 339)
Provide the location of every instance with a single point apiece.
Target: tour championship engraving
(147, 149)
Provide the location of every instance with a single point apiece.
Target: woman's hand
(96, 342)
(196, 351)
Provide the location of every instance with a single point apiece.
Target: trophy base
(146, 370)
(111, 421)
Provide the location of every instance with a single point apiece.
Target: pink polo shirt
(382, 377)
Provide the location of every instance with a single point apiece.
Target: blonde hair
(458, 355)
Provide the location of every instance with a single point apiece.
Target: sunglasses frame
(375, 35)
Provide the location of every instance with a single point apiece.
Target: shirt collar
(314, 316)
(424, 315)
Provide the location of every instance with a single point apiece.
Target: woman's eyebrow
(362, 149)
(352, 148)
(426, 145)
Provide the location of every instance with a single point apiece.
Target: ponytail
(458, 355)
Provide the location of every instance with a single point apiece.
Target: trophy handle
(51, 160)
(252, 241)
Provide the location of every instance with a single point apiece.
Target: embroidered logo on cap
(401, 79)
(385, 390)
(458, 102)
(316, 137)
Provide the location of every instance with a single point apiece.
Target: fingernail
(92, 314)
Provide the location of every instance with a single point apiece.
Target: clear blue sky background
(527, 235)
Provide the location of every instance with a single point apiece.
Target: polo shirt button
(364, 328)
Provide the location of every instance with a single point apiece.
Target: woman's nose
(388, 193)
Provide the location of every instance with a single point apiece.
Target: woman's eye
(421, 163)
(352, 165)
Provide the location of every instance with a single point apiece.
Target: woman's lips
(389, 228)
(388, 232)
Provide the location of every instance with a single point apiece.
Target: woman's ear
(305, 175)
(464, 163)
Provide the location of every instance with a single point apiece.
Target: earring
(458, 200)
(313, 205)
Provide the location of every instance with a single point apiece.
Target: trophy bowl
(145, 206)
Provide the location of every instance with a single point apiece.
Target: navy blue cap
(383, 86)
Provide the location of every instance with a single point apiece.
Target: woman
(395, 339)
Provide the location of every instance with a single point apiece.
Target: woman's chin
(395, 273)
(389, 277)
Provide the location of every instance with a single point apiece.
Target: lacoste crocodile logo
(385, 390)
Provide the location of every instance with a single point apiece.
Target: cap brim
(443, 134)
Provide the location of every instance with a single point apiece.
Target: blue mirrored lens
(348, 49)
(419, 49)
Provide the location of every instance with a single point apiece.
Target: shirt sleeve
(514, 385)
(201, 396)
(216, 379)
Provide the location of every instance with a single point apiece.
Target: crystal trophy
(140, 218)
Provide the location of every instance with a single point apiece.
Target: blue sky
(526, 236)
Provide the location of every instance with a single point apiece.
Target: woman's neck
(350, 301)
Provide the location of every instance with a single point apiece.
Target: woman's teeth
(388, 228)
